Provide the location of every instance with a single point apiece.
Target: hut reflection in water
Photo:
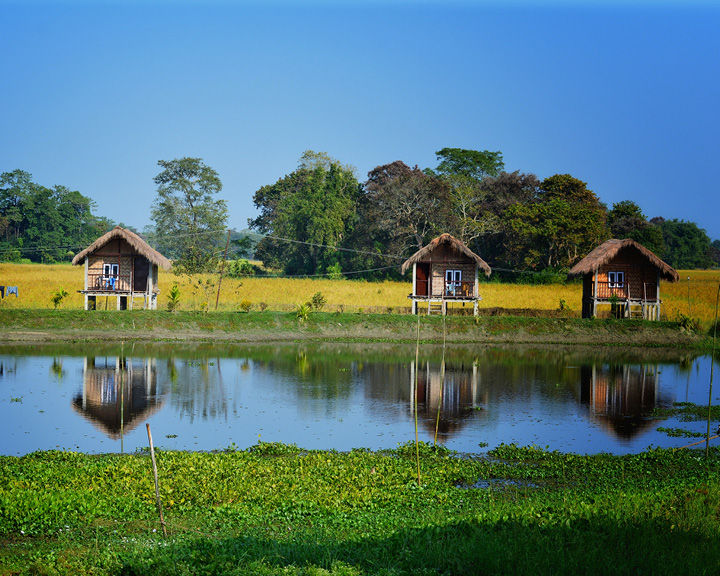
(621, 398)
(118, 393)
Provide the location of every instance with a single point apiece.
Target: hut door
(422, 271)
(141, 269)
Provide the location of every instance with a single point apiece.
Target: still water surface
(342, 396)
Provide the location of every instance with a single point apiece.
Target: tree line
(321, 219)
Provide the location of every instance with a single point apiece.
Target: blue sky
(623, 95)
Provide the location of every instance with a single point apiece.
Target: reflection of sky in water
(320, 402)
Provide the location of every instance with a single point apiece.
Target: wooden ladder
(435, 307)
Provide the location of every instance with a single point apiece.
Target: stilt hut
(445, 271)
(121, 265)
(625, 276)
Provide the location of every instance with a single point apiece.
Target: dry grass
(37, 282)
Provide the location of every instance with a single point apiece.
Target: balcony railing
(108, 283)
(606, 290)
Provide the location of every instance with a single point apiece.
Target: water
(97, 399)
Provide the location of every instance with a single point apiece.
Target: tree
(406, 206)
(686, 245)
(473, 164)
(44, 224)
(189, 222)
(626, 220)
(306, 214)
(563, 224)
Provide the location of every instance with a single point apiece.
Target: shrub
(318, 301)
(302, 312)
(240, 267)
(173, 298)
(58, 296)
(245, 306)
(263, 306)
(688, 324)
(334, 271)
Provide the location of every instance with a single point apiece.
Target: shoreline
(28, 326)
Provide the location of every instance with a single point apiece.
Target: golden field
(37, 282)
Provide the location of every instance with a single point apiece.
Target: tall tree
(189, 220)
(44, 224)
(626, 220)
(304, 213)
(563, 224)
(686, 244)
(406, 206)
(473, 164)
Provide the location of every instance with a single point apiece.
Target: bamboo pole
(157, 485)
(442, 383)
(415, 394)
(712, 369)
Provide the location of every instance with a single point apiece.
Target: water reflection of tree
(198, 388)
(118, 393)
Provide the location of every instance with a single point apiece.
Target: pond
(98, 398)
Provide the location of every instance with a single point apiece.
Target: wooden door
(422, 273)
(141, 270)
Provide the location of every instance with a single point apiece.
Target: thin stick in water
(415, 400)
(712, 369)
(157, 485)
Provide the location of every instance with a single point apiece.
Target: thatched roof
(608, 250)
(454, 244)
(142, 247)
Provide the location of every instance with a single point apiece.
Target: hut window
(453, 281)
(110, 269)
(616, 279)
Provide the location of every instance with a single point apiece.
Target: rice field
(37, 282)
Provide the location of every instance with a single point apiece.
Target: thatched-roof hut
(625, 275)
(445, 271)
(121, 264)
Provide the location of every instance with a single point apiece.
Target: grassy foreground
(158, 325)
(274, 509)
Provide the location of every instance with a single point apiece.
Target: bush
(688, 324)
(173, 298)
(318, 301)
(302, 312)
(334, 271)
(245, 306)
(58, 296)
(714, 329)
(240, 267)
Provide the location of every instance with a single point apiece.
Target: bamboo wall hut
(123, 266)
(445, 271)
(624, 276)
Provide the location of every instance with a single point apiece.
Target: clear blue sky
(623, 95)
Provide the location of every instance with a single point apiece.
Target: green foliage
(561, 226)
(626, 220)
(334, 271)
(687, 324)
(318, 301)
(58, 296)
(314, 206)
(277, 509)
(189, 222)
(239, 268)
(173, 298)
(473, 164)
(39, 223)
(302, 311)
(686, 245)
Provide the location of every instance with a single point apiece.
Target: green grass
(263, 326)
(276, 509)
